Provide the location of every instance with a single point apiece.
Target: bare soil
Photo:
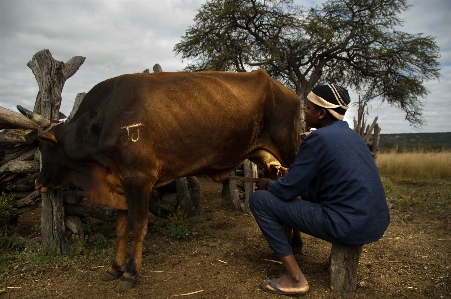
(227, 257)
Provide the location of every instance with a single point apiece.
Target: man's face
(312, 115)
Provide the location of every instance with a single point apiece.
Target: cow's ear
(48, 136)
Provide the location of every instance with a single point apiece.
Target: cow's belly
(112, 200)
(102, 187)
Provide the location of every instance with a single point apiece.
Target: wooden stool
(344, 261)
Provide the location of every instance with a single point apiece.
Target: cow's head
(53, 160)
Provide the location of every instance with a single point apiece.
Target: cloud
(119, 36)
(116, 37)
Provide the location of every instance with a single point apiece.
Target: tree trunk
(51, 75)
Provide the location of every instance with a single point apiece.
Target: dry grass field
(415, 165)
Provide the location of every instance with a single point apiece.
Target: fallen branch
(21, 167)
(187, 294)
(29, 200)
(273, 261)
(12, 120)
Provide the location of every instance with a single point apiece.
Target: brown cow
(136, 132)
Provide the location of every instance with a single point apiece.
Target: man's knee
(256, 200)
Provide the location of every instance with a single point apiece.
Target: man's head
(332, 97)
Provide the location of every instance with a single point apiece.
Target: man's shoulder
(337, 132)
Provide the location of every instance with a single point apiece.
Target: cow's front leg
(138, 210)
(118, 264)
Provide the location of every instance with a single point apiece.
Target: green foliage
(179, 226)
(95, 235)
(351, 42)
(6, 214)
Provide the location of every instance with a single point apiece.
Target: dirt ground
(230, 258)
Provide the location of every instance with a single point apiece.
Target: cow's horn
(40, 120)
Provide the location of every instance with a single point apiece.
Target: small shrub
(177, 226)
(6, 215)
(180, 231)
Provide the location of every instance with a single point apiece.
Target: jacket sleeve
(299, 176)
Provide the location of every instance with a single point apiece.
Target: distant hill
(416, 140)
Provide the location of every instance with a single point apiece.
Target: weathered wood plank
(29, 200)
(13, 120)
(78, 99)
(18, 136)
(20, 167)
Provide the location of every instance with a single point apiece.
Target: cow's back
(179, 124)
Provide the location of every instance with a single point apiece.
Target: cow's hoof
(125, 284)
(110, 275)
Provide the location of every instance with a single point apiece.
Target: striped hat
(332, 97)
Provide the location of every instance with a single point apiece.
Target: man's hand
(281, 171)
(262, 184)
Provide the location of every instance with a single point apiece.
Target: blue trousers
(271, 214)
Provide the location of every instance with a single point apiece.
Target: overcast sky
(119, 37)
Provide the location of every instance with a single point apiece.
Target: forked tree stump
(344, 262)
(51, 76)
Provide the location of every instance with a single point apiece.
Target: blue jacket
(335, 167)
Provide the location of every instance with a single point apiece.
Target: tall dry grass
(415, 165)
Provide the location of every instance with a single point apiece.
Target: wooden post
(188, 194)
(370, 134)
(78, 99)
(249, 170)
(240, 191)
(344, 261)
(234, 192)
(51, 75)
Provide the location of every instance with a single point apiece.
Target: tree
(350, 42)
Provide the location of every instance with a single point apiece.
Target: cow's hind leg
(118, 265)
(138, 210)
